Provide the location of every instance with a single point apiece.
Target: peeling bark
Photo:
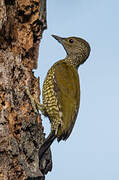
(21, 133)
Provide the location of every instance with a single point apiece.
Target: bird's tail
(48, 141)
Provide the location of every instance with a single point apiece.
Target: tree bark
(21, 133)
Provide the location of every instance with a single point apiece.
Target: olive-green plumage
(61, 97)
(61, 90)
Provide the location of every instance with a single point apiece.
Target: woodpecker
(61, 91)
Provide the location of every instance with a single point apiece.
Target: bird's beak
(59, 39)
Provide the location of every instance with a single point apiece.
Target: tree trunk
(21, 132)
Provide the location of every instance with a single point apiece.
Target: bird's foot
(35, 103)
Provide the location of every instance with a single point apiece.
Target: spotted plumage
(61, 98)
(61, 90)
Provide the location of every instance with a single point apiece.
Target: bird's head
(77, 49)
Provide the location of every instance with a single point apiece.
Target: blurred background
(92, 151)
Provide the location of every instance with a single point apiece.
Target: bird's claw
(33, 102)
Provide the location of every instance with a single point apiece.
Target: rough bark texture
(21, 132)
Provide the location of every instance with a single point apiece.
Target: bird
(61, 91)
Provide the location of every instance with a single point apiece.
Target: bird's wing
(67, 90)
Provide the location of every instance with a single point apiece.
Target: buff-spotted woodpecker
(61, 91)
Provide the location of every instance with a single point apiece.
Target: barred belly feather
(61, 90)
(50, 101)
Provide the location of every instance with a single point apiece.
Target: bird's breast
(61, 97)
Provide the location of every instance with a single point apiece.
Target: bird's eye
(71, 40)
